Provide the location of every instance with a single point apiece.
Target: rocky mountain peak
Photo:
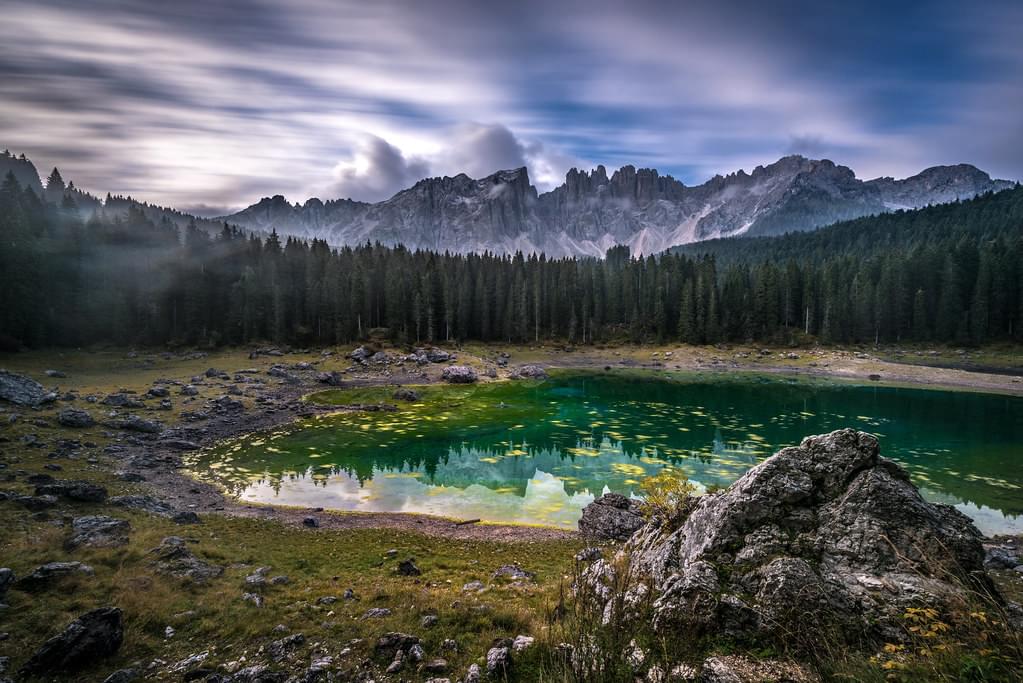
(591, 212)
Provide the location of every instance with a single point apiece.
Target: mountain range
(591, 212)
(585, 216)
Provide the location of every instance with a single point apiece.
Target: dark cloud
(479, 150)
(377, 171)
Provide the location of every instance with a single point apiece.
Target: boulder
(134, 423)
(144, 503)
(24, 391)
(179, 444)
(75, 418)
(91, 637)
(98, 531)
(84, 491)
(122, 400)
(825, 539)
(408, 567)
(405, 394)
(333, 379)
(390, 643)
(186, 517)
(173, 557)
(498, 660)
(122, 676)
(513, 572)
(360, 354)
(612, 517)
(529, 372)
(437, 356)
(459, 374)
(6, 579)
(45, 576)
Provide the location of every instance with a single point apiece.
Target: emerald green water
(538, 452)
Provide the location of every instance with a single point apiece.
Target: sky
(210, 105)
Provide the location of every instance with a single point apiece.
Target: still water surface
(538, 452)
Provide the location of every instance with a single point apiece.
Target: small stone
(513, 572)
(438, 665)
(473, 587)
(122, 676)
(408, 567)
(498, 661)
(6, 580)
(311, 522)
(522, 642)
(254, 598)
(186, 517)
(376, 613)
(75, 418)
(428, 621)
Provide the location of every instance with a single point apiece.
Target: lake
(537, 452)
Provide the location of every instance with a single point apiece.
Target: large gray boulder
(823, 539)
(89, 638)
(98, 531)
(173, 557)
(48, 575)
(84, 491)
(459, 374)
(612, 517)
(75, 418)
(529, 372)
(22, 390)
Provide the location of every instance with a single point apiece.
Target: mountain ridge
(591, 211)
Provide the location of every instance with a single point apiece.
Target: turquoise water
(538, 452)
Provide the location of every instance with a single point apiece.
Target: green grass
(319, 562)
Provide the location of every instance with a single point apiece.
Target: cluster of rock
(528, 372)
(824, 540)
(419, 356)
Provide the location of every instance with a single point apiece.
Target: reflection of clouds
(989, 520)
(544, 500)
(518, 484)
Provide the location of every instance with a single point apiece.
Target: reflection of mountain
(955, 444)
(588, 466)
(543, 500)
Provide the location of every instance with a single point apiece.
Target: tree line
(951, 273)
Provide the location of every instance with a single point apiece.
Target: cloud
(333, 97)
(377, 171)
(479, 149)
